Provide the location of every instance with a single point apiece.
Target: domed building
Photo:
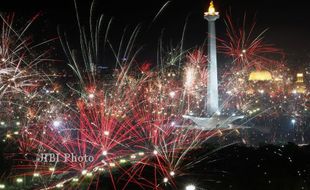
(262, 75)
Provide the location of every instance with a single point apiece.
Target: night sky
(288, 21)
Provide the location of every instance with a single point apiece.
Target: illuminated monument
(212, 101)
(213, 121)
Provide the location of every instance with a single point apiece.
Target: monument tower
(212, 101)
(213, 121)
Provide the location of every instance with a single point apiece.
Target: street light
(190, 187)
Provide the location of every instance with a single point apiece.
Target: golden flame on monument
(211, 10)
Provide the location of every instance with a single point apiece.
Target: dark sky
(288, 21)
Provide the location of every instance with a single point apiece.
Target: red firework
(137, 120)
(246, 47)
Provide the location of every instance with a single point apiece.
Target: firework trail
(18, 64)
(23, 80)
(247, 48)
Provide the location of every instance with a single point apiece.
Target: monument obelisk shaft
(212, 101)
